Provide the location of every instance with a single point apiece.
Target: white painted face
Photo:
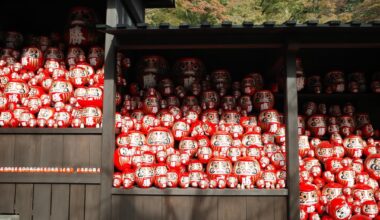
(343, 212)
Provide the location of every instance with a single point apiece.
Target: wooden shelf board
(50, 130)
(54, 178)
(200, 192)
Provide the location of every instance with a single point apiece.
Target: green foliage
(258, 11)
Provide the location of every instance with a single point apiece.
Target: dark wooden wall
(143, 207)
(50, 196)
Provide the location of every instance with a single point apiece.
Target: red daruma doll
(248, 170)
(269, 121)
(144, 176)
(309, 197)
(263, 100)
(61, 91)
(32, 58)
(317, 125)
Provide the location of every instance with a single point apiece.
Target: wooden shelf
(51, 130)
(54, 178)
(333, 96)
(339, 96)
(200, 192)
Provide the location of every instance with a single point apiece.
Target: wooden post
(291, 109)
(108, 134)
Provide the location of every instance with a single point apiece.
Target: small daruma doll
(16, 90)
(160, 138)
(150, 69)
(372, 166)
(324, 151)
(346, 125)
(353, 146)
(317, 125)
(61, 91)
(92, 116)
(269, 121)
(248, 170)
(218, 168)
(188, 70)
(32, 58)
(309, 197)
(144, 176)
(334, 82)
(220, 142)
(263, 100)
(339, 209)
(221, 79)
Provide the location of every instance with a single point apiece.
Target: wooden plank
(178, 207)
(206, 208)
(7, 201)
(27, 150)
(24, 201)
(261, 207)
(232, 208)
(92, 202)
(50, 130)
(60, 195)
(122, 206)
(291, 111)
(41, 201)
(51, 151)
(7, 150)
(116, 203)
(280, 209)
(76, 150)
(108, 135)
(95, 148)
(152, 206)
(77, 202)
(200, 192)
(50, 178)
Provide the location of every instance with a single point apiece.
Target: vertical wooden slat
(24, 201)
(108, 134)
(123, 207)
(60, 200)
(177, 207)
(95, 147)
(51, 150)
(77, 201)
(279, 208)
(261, 207)
(7, 150)
(92, 204)
(7, 201)
(76, 150)
(41, 201)
(154, 205)
(232, 208)
(116, 203)
(27, 150)
(291, 109)
(206, 207)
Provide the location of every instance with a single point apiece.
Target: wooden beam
(135, 9)
(108, 136)
(159, 3)
(50, 131)
(53, 178)
(291, 111)
(200, 192)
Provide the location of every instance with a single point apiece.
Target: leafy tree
(258, 11)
